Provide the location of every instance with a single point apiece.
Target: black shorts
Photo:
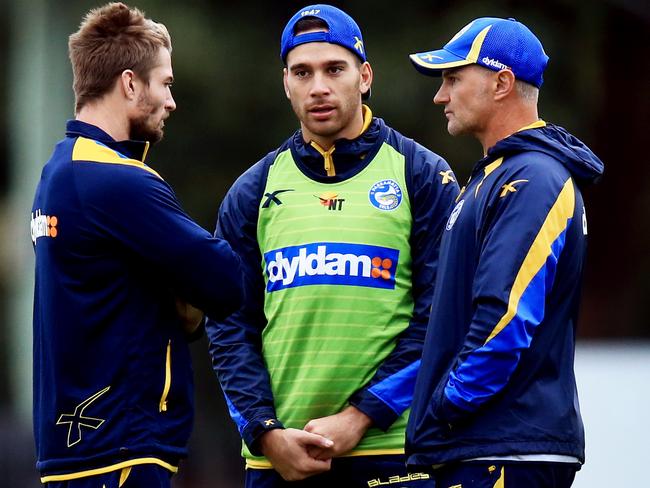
(349, 472)
(503, 474)
(141, 476)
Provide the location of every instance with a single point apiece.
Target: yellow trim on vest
(168, 378)
(501, 482)
(124, 475)
(94, 152)
(553, 226)
(487, 170)
(108, 469)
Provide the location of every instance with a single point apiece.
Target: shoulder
(541, 170)
(251, 183)
(415, 153)
(101, 172)
(245, 194)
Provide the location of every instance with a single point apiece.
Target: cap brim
(432, 63)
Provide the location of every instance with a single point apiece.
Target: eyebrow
(450, 71)
(332, 62)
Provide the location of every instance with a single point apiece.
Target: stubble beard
(141, 128)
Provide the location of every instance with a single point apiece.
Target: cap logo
(309, 12)
(358, 45)
(429, 57)
(495, 63)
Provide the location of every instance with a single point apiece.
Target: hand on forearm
(345, 428)
(288, 452)
(190, 317)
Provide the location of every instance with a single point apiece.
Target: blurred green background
(232, 111)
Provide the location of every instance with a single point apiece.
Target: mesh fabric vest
(337, 268)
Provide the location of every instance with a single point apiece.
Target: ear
(285, 74)
(366, 77)
(127, 82)
(505, 84)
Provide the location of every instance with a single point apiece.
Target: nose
(319, 86)
(170, 104)
(442, 96)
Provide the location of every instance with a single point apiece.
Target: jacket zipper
(168, 378)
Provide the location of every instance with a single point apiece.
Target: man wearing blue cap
(338, 230)
(495, 402)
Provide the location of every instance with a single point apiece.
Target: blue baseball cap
(342, 30)
(493, 43)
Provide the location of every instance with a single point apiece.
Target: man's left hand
(345, 428)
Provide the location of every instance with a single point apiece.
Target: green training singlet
(337, 268)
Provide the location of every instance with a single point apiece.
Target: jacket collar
(131, 149)
(349, 157)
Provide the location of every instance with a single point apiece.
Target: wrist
(360, 419)
(254, 430)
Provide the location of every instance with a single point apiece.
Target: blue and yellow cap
(493, 43)
(342, 30)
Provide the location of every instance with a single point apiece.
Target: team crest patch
(385, 195)
(454, 214)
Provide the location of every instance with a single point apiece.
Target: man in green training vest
(338, 230)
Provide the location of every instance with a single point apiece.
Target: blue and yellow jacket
(497, 373)
(236, 343)
(112, 373)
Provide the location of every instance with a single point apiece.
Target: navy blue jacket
(497, 373)
(112, 373)
(236, 343)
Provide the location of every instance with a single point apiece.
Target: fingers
(288, 451)
(311, 439)
(302, 466)
(320, 453)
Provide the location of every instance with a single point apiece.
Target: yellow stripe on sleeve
(553, 226)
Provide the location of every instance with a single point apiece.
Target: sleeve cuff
(255, 428)
(382, 415)
(450, 413)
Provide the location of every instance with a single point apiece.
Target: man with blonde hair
(119, 269)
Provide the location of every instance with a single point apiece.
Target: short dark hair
(309, 23)
(111, 39)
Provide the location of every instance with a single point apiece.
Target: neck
(505, 123)
(350, 131)
(109, 117)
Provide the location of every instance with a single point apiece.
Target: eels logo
(454, 215)
(385, 195)
(331, 263)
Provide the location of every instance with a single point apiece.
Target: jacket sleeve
(236, 342)
(432, 188)
(521, 237)
(139, 211)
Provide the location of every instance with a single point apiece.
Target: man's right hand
(287, 450)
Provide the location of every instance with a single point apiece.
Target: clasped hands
(298, 454)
